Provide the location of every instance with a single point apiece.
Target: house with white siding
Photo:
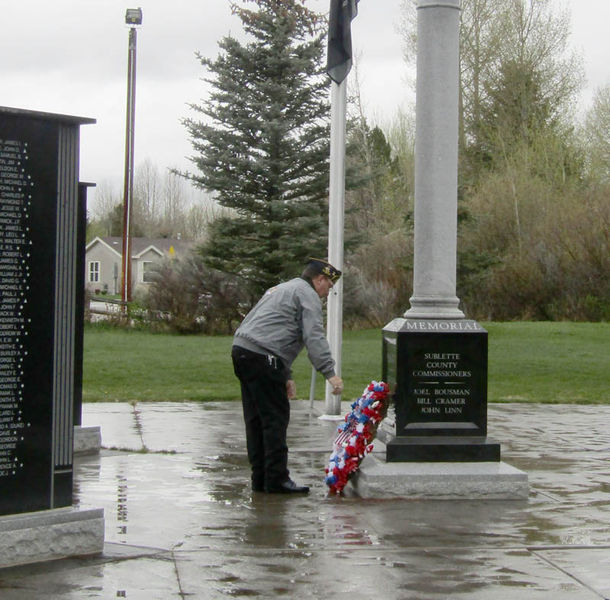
(103, 261)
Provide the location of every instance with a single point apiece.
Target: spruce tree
(263, 145)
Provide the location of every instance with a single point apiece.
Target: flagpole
(338, 65)
(336, 211)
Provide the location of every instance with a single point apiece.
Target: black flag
(339, 61)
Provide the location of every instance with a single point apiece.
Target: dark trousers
(266, 415)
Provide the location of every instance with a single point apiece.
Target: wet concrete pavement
(181, 521)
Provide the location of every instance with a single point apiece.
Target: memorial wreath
(356, 435)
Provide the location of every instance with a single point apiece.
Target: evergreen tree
(263, 147)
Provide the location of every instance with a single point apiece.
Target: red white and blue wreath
(356, 435)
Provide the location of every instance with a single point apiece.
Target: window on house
(147, 271)
(94, 271)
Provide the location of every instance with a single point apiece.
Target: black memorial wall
(40, 284)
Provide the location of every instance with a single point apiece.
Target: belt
(273, 361)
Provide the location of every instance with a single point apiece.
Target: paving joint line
(138, 425)
(570, 575)
(181, 591)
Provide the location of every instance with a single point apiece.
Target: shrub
(192, 298)
(531, 251)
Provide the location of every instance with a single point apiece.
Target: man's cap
(325, 268)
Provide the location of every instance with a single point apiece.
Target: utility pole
(133, 17)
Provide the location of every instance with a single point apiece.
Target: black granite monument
(437, 371)
(41, 220)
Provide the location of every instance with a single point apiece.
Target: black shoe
(288, 487)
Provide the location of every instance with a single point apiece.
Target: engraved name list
(15, 246)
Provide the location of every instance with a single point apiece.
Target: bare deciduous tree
(597, 136)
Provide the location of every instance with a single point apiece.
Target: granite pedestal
(87, 440)
(50, 535)
(378, 478)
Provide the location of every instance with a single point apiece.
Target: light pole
(133, 17)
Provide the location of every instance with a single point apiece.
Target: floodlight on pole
(133, 17)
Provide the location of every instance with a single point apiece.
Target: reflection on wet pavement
(181, 520)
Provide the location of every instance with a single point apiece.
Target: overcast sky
(70, 57)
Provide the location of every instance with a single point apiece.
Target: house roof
(140, 245)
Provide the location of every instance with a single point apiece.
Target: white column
(336, 210)
(436, 161)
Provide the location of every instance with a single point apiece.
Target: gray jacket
(286, 318)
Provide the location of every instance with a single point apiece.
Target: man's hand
(291, 389)
(337, 384)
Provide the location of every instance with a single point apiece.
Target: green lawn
(528, 362)
(549, 362)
